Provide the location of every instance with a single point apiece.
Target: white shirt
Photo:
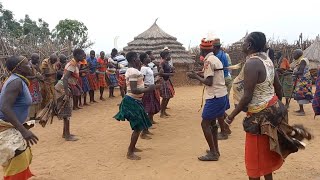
(218, 88)
(148, 75)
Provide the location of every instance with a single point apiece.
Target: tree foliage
(73, 32)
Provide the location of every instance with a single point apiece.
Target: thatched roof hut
(313, 53)
(155, 39)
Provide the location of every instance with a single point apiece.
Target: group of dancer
(60, 84)
(256, 90)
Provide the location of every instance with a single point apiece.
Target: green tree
(72, 32)
(9, 24)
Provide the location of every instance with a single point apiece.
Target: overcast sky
(189, 21)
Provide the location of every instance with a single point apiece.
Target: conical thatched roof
(313, 53)
(155, 39)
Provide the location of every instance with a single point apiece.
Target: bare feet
(145, 136)
(163, 116)
(166, 114)
(86, 104)
(137, 150)
(63, 135)
(132, 156)
(149, 133)
(71, 138)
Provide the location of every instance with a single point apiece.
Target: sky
(188, 21)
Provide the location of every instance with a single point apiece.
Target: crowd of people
(63, 84)
(146, 89)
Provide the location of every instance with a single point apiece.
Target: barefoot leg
(132, 146)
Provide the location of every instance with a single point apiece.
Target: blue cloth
(85, 84)
(93, 64)
(113, 80)
(223, 58)
(23, 101)
(215, 108)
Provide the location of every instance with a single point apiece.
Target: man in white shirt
(216, 98)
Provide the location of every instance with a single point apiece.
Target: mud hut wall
(180, 77)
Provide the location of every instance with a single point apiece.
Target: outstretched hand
(192, 75)
(29, 137)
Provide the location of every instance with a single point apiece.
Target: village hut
(155, 39)
(313, 53)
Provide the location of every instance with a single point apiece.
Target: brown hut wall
(180, 78)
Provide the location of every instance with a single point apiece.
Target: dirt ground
(171, 154)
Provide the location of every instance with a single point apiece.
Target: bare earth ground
(171, 154)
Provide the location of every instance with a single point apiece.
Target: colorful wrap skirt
(166, 89)
(303, 90)
(102, 79)
(132, 110)
(287, 85)
(85, 84)
(316, 100)
(270, 139)
(93, 81)
(113, 82)
(122, 80)
(76, 89)
(151, 102)
(15, 155)
(64, 104)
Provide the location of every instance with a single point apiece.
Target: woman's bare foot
(163, 116)
(132, 156)
(145, 136)
(137, 150)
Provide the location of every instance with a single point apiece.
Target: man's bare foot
(137, 150)
(86, 104)
(145, 136)
(132, 156)
(71, 138)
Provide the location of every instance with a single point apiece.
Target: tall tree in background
(9, 24)
(72, 32)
